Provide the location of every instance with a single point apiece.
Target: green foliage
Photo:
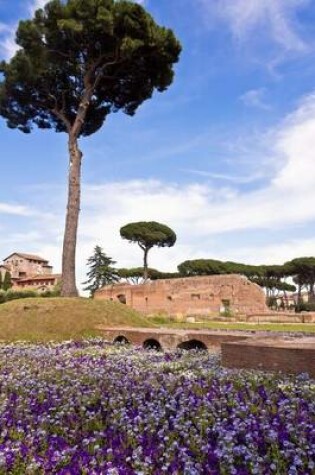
(7, 283)
(2, 296)
(1, 280)
(148, 234)
(101, 271)
(305, 307)
(202, 267)
(271, 302)
(20, 294)
(99, 56)
(164, 275)
(43, 319)
(51, 293)
(134, 275)
(7, 296)
(79, 61)
(303, 269)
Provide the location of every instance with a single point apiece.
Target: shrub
(50, 293)
(305, 307)
(7, 296)
(2, 296)
(20, 294)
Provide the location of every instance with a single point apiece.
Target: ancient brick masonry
(290, 355)
(190, 296)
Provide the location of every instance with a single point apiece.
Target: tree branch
(60, 113)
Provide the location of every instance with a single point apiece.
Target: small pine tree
(101, 271)
(7, 283)
(1, 283)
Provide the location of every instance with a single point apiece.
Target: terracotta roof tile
(27, 256)
(41, 277)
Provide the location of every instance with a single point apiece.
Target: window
(226, 306)
(195, 296)
(122, 298)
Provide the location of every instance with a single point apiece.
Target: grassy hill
(38, 319)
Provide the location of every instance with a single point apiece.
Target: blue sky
(226, 156)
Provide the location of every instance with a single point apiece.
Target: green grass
(166, 322)
(38, 319)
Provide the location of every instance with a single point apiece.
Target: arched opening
(122, 298)
(152, 344)
(192, 345)
(121, 340)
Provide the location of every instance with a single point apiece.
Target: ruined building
(225, 294)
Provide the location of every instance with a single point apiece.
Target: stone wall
(295, 355)
(280, 317)
(191, 296)
(171, 339)
(21, 267)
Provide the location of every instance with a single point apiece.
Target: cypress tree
(101, 271)
(7, 283)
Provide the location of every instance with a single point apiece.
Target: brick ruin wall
(169, 340)
(190, 296)
(295, 356)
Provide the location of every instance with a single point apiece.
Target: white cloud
(255, 98)
(35, 5)
(8, 47)
(276, 253)
(275, 18)
(203, 216)
(229, 178)
(3, 28)
(17, 210)
(199, 213)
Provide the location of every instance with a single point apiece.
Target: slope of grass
(38, 319)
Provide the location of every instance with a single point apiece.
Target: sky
(225, 157)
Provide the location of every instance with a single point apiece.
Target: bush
(20, 294)
(2, 296)
(50, 293)
(305, 307)
(7, 296)
(272, 303)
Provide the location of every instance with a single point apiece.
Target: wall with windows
(218, 294)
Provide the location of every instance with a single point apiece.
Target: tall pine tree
(78, 62)
(7, 283)
(101, 271)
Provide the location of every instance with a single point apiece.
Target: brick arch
(122, 340)
(152, 344)
(192, 345)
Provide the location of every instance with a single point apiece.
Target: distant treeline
(300, 273)
(7, 296)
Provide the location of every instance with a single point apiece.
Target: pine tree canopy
(111, 52)
(102, 271)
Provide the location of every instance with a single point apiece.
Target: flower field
(87, 408)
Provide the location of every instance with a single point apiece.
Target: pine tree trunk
(145, 265)
(299, 293)
(68, 288)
